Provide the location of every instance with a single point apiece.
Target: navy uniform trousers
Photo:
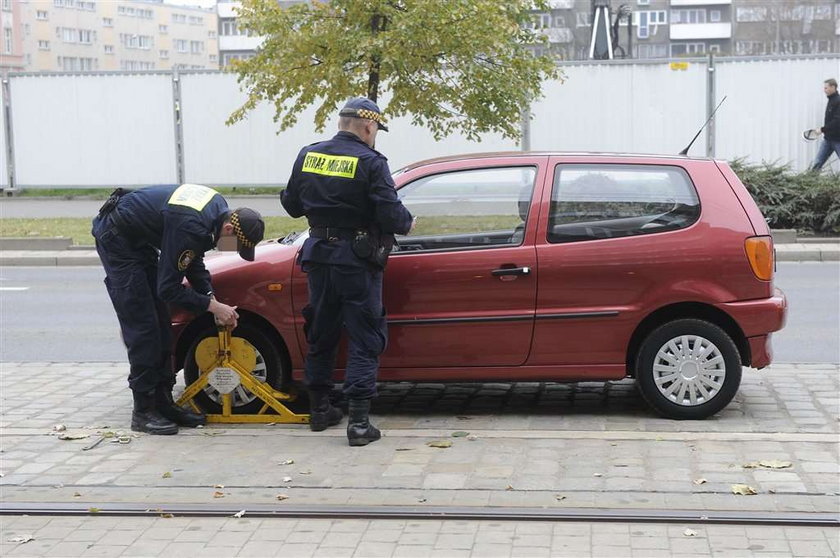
(350, 298)
(131, 280)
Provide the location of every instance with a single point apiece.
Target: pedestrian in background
(344, 188)
(148, 241)
(831, 126)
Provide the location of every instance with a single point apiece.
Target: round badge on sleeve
(185, 259)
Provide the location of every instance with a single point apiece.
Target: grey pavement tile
(220, 551)
(374, 550)
(813, 548)
(483, 550)
(146, 548)
(296, 549)
(326, 552)
(104, 551)
(530, 552)
(452, 541)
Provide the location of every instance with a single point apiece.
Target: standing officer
(344, 188)
(148, 241)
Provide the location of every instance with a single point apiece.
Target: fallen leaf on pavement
(421, 500)
(690, 533)
(743, 489)
(218, 486)
(93, 510)
(597, 474)
(76, 495)
(218, 494)
(306, 472)
(287, 462)
(59, 428)
(22, 539)
(440, 444)
(68, 436)
(460, 434)
(472, 437)
(167, 515)
(404, 449)
(239, 514)
(700, 481)
(287, 479)
(282, 496)
(768, 464)
(559, 497)
(166, 475)
(463, 418)
(509, 487)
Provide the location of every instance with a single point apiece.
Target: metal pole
(710, 106)
(525, 127)
(9, 136)
(179, 129)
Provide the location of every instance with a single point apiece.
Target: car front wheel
(688, 369)
(266, 369)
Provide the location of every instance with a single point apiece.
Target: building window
(76, 64)
(63, 3)
(109, 49)
(214, 58)
(697, 15)
(107, 22)
(142, 42)
(687, 49)
(644, 20)
(643, 2)
(181, 45)
(747, 15)
(645, 51)
(7, 40)
(179, 18)
(196, 47)
(583, 19)
(750, 48)
(164, 29)
(714, 16)
(42, 15)
(164, 54)
(136, 65)
(196, 20)
(6, 5)
(43, 45)
(714, 49)
(211, 34)
(228, 28)
(87, 6)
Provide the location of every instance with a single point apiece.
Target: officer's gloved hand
(223, 314)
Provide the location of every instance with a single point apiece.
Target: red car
(543, 267)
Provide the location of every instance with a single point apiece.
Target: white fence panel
(769, 104)
(251, 152)
(618, 107)
(4, 175)
(93, 130)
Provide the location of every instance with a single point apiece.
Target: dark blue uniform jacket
(182, 234)
(343, 183)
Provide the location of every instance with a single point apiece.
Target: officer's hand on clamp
(223, 314)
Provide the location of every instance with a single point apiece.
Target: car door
(461, 289)
(611, 235)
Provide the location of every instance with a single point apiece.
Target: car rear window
(591, 202)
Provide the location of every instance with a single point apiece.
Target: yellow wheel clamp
(225, 362)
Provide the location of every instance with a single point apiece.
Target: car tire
(268, 369)
(688, 369)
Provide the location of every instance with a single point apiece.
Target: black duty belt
(333, 233)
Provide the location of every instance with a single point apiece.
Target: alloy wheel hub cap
(689, 370)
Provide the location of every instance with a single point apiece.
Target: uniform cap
(362, 107)
(249, 229)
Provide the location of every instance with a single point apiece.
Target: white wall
(97, 130)
(117, 129)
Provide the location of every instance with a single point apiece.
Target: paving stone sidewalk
(585, 445)
(291, 538)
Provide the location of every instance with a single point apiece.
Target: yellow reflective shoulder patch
(330, 165)
(192, 195)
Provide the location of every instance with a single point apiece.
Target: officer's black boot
(321, 412)
(168, 409)
(145, 418)
(360, 432)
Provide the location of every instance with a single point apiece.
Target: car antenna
(685, 151)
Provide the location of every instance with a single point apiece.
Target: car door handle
(504, 271)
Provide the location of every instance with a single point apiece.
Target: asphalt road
(64, 315)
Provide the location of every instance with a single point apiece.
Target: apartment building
(678, 28)
(96, 35)
(11, 37)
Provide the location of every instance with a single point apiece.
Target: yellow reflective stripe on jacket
(330, 165)
(192, 195)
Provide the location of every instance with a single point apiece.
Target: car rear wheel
(267, 369)
(688, 369)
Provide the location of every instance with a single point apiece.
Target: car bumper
(758, 319)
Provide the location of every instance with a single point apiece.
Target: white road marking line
(14, 288)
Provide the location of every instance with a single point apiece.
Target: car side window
(476, 208)
(591, 201)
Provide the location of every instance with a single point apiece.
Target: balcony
(561, 4)
(676, 3)
(239, 42)
(558, 35)
(690, 31)
(228, 9)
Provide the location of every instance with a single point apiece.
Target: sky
(200, 3)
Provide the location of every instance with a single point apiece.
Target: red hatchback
(543, 266)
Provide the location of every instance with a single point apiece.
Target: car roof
(508, 154)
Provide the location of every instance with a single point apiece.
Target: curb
(88, 257)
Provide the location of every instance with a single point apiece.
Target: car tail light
(760, 254)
